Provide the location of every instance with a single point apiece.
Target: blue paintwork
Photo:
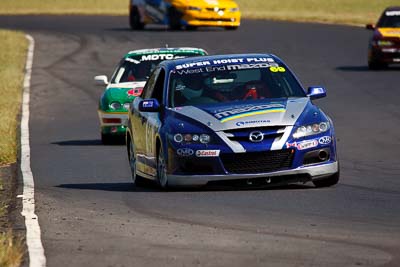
(158, 128)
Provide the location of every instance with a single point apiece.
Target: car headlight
(127, 106)
(311, 129)
(115, 105)
(234, 9)
(192, 138)
(384, 43)
(194, 8)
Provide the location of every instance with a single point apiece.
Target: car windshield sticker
(246, 111)
(228, 64)
(393, 13)
(277, 69)
(156, 57)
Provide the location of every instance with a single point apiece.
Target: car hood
(221, 117)
(208, 3)
(389, 32)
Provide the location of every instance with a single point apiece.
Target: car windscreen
(234, 83)
(138, 68)
(391, 19)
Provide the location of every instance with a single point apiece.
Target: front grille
(218, 19)
(257, 162)
(215, 9)
(241, 135)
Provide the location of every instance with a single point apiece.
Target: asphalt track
(91, 216)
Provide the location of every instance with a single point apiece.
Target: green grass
(13, 47)
(11, 250)
(326, 11)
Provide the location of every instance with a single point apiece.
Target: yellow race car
(384, 45)
(184, 13)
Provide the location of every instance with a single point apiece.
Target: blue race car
(242, 119)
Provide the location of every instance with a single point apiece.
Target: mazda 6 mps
(241, 118)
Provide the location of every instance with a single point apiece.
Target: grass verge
(326, 11)
(13, 47)
(10, 250)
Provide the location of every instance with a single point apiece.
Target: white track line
(33, 240)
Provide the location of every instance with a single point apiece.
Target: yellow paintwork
(389, 32)
(212, 13)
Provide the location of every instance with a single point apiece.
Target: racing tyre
(174, 17)
(106, 139)
(231, 28)
(373, 65)
(162, 178)
(191, 28)
(136, 179)
(326, 182)
(134, 19)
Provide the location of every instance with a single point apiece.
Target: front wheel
(134, 19)
(374, 65)
(162, 170)
(136, 179)
(174, 17)
(106, 139)
(327, 182)
(231, 28)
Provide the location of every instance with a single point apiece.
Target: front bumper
(229, 19)
(314, 172)
(386, 55)
(113, 122)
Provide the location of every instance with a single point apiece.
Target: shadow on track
(94, 142)
(151, 187)
(166, 29)
(365, 69)
(113, 187)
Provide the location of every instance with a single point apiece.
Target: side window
(159, 87)
(149, 87)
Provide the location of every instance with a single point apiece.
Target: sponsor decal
(303, 144)
(239, 63)
(185, 152)
(325, 140)
(135, 92)
(307, 144)
(237, 113)
(147, 104)
(392, 13)
(159, 57)
(244, 123)
(207, 153)
(289, 145)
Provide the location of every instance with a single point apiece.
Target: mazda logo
(256, 136)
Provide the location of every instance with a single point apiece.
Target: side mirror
(370, 26)
(149, 105)
(315, 92)
(101, 80)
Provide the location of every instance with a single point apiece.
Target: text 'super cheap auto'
(242, 118)
(127, 82)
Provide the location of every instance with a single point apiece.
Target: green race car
(127, 82)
